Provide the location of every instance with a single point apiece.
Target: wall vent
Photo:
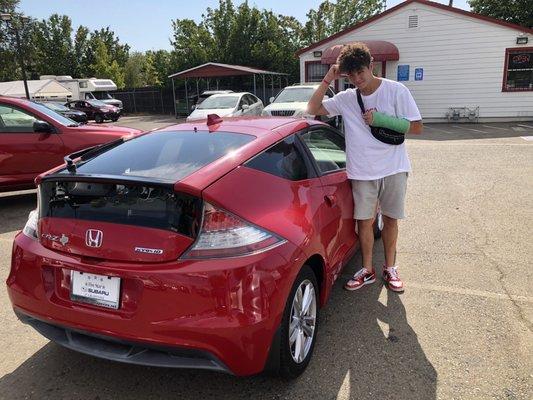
(413, 21)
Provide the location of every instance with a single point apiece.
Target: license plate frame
(95, 289)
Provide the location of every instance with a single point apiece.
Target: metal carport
(217, 70)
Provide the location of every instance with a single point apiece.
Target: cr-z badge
(148, 251)
(63, 239)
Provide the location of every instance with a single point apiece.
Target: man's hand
(333, 73)
(368, 117)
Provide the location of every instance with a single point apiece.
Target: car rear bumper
(114, 349)
(226, 311)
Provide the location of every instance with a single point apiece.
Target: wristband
(386, 121)
(326, 82)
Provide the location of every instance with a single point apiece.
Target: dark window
(283, 160)
(164, 156)
(315, 71)
(327, 148)
(518, 70)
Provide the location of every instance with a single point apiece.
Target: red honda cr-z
(205, 245)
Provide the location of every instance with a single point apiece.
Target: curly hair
(353, 57)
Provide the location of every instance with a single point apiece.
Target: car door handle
(330, 199)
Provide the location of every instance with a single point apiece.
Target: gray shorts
(389, 191)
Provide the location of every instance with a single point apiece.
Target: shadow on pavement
(14, 210)
(366, 350)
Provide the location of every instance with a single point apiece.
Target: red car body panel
(228, 307)
(24, 155)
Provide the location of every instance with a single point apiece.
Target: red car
(201, 245)
(34, 139)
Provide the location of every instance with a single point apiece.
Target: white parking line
(528, 138)
(468, 129)
(526, 126)
(495, 127)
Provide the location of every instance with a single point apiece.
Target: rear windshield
(164, 156)
(218, 101)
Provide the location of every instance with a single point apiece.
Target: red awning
(380, 50)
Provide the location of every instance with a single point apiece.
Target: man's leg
(389, 235)
(365, 195)
(366, 239)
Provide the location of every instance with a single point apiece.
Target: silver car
(228, 105)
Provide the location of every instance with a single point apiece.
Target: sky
(146, 25)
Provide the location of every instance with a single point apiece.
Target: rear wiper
(89, 152)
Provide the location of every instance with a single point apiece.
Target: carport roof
(210, 70)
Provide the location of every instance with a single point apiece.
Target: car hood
(202, 114)
(297, 105)
(118, 131)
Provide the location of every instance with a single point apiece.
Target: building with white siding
(458, 65)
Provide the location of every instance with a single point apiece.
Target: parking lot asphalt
(462, 329)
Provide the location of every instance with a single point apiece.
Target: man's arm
(314, 106)
(397, 124)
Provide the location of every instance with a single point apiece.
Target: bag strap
(360, 101)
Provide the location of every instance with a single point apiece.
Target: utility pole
(8, 19)
(451, 3)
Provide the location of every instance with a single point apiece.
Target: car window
(327, 148)
(164, 156)
(15, 120)
(295, 94)
(251, 99)
(283, 160)
(219, 101)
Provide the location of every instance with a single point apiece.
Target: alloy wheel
(302, 322)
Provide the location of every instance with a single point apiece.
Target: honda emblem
(93, 238)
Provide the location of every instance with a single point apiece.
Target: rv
(88, 88)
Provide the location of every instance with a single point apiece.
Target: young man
(377, 170)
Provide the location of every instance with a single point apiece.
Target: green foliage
(242, 35)
(53, 49)
(518, 12)
(105, 67)
(331, 18)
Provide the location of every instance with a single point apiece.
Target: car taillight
(226, 235)
(30, 229)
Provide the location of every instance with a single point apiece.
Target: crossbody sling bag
(384, 135)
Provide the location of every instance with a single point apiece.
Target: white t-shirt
(366, 157)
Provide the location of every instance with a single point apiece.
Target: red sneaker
(392, 279)
(361, 278)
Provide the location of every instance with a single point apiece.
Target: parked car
(75, 115)
(95, 109)
(104, 97)
(167, 250)
(207, 93)
(228, 105)
(292, 102)
(35, 138)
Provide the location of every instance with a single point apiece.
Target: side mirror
(42, 127)
(271, 99)
(245, 106)
(193, 106)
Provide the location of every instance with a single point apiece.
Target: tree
(132, 70)
(53, 50)
(331, 18)
(518, 12)
(104, 67)
(80, 52)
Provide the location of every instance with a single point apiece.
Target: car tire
(291, 362)
(98, 118)
(114, 119)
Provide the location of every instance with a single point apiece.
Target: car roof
(216, 92)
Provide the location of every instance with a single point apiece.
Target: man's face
(361, 78)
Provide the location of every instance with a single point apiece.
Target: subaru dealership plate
(95, 289)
